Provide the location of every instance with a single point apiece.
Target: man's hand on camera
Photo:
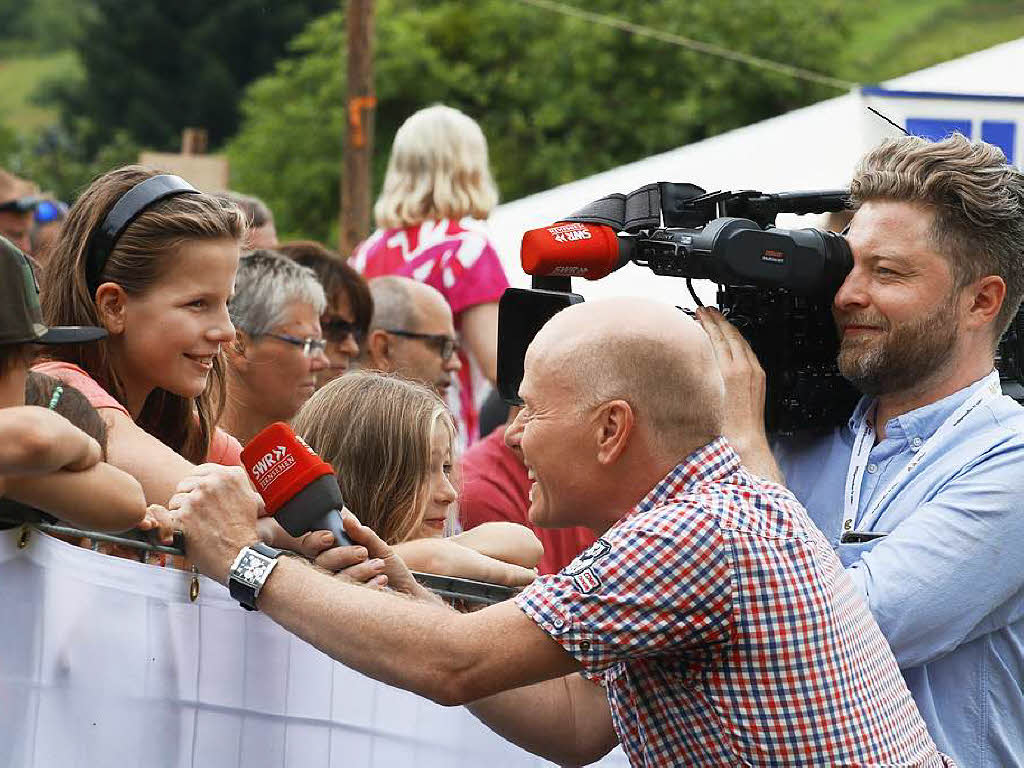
(744, 394)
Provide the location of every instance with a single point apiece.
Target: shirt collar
(712, 462)
(921, 422)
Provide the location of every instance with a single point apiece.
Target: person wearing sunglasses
(412, 333)
(18, 199)
(279, 346)
(46, 220)
(346, 321)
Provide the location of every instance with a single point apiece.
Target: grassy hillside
(19, 79)
(894, 37)
(900, 36)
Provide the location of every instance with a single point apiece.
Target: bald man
(709, 625)
(412, 333)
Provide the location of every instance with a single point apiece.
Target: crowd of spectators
(151, 330)
(212, 330)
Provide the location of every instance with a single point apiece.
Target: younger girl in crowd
(430, 217)
(153, 261)
(390, 442)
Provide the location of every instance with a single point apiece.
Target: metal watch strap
(242, 590)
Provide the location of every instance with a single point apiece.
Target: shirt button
(916, 442)
(585, 646)
(558, 623)
(872, 468)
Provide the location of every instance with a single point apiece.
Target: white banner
(106, 662)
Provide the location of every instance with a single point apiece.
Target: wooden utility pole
(354, 220)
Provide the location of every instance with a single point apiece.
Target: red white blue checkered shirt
(725, 632)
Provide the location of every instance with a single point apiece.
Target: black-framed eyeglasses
(442, 342)
(337, 331)
(310, 346)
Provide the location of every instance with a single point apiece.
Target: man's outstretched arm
(426, 648)
(449, 657)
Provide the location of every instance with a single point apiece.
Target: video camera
(775, 285)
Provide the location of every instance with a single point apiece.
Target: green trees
(152, 68)
(558, 98)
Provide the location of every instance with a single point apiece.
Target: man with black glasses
(412, 333)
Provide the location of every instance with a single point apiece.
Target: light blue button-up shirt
(946, 584)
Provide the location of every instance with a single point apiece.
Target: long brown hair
(375, 430)
(142, 255)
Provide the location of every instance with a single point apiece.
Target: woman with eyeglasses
(346, 320)
(279, 346)
(430, 216)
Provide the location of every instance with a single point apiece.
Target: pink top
(224, 449)
(458, 259)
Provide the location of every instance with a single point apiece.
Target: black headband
(125, 211)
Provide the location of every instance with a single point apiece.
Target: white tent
(815, 147)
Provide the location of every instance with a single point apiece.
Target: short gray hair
(266, 284)
(393, 303)
(681, 401)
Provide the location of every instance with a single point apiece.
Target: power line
(693, 45)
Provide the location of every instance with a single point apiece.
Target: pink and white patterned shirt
(458, 259)
(725, 632)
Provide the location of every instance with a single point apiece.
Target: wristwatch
(250, 571)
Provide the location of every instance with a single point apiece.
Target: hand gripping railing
(447, 587)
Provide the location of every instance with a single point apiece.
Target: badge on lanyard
(864, 441)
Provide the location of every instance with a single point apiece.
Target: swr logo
(568, 237)
(268, 460)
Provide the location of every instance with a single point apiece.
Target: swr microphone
(573, 249)
(298, 487)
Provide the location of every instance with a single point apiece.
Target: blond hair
(977, 202)
(375, 430)
(438, 170)
(143, 254)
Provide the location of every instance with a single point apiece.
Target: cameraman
(921, 492)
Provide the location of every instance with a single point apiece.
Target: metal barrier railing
(447, 587)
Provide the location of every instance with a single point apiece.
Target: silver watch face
(252, 569)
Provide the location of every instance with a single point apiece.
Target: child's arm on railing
(445, 557)
(509, 542)
(101, 498)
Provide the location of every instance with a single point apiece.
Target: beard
(902, 356)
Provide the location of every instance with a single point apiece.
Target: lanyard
(864, 441)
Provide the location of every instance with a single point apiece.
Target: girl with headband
(153, 261)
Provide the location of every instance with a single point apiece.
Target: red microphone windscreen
(570, 249)
(280, 464)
